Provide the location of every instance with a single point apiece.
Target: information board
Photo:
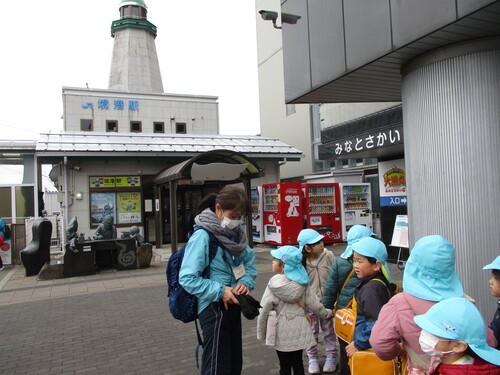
(400, 234)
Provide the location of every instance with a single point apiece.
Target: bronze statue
(72, 234)
(106, 230)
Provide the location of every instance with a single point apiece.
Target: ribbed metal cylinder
(451, 109)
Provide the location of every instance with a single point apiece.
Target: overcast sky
(204, 48)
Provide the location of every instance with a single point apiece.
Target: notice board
(400, 234)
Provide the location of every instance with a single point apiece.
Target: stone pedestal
(144, 255)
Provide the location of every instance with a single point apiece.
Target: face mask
(428, 344)
(228, 223)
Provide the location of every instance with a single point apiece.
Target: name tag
(239, 271)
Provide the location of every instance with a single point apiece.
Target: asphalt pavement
(115, 322)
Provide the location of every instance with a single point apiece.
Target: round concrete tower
(134, 65)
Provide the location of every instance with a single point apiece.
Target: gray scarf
(227, 237)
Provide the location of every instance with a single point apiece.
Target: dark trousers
(344, 360)
(222, 344)
(289, 361)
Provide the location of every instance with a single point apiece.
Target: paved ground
(110, 323)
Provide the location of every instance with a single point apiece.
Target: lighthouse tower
(134, 65)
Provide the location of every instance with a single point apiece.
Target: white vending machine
(356, 206)
(257, 214)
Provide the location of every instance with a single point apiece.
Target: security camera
(289, 18)
(77, 167)
(268, 15)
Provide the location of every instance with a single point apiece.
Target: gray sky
(204, 48)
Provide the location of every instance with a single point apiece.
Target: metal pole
(173, 215)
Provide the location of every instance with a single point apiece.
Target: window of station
(118, 196)
(180, 128)
(159, 127)
(86, 125)
(111, 126)
(135, 126)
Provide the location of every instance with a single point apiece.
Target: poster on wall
(392, 183)
(101, 205)
(129, 207)
(6, 252)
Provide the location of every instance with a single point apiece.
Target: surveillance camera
(268, 15)
(289, 18)
(77, 167)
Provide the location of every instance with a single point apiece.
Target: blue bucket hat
(308, 237)
(430, 270)
(292, 257)
(371, 247)
(356, 233)
(459, 319)
(495, 265)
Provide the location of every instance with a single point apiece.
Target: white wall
(294, 129)
(199, 113)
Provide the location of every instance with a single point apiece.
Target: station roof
(96, 144)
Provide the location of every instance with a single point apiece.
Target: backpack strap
(386, 287)
(341, 289)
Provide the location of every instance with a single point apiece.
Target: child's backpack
(8, 233)
(183, 305)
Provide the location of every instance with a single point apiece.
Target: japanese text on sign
(132, 105)
(369, 141)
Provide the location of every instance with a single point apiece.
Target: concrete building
(442, 61)
(144, 156)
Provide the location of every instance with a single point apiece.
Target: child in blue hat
(318, 262)
(495, 291)
(374, 291)
(342, 282)
(449, 329)
(288, 294)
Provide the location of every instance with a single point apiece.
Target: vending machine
(282, 212)
(257, 214)
(322, 210)
(356, 206)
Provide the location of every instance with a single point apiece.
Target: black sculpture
(134, 233)
(37, 253)
(106, 230)
(72, 234)
(144, 249)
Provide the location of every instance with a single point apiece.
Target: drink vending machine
(282, 212)
(356, 206)
(322, 210)
(257, 214)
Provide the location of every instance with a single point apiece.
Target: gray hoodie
(293, 330)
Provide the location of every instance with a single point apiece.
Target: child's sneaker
(330, 364)
(313, 366)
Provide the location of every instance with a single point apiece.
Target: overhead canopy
(209, 166)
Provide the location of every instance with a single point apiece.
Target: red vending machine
(282, 212)
(322, 210)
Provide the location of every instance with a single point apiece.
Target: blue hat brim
(495, 265)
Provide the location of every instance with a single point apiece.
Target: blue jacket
(221, 274)
(370, 296)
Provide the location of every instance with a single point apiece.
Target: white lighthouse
(134, 65)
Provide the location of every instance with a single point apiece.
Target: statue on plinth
(106, 230)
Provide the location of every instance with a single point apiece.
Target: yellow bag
(345, 322)
(366, 362)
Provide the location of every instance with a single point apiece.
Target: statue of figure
(106, 230)
(134, 233)
(72, 234)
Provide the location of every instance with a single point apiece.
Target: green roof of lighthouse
(139, 3)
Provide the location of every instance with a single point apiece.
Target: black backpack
(7, 232)
(183, 305)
